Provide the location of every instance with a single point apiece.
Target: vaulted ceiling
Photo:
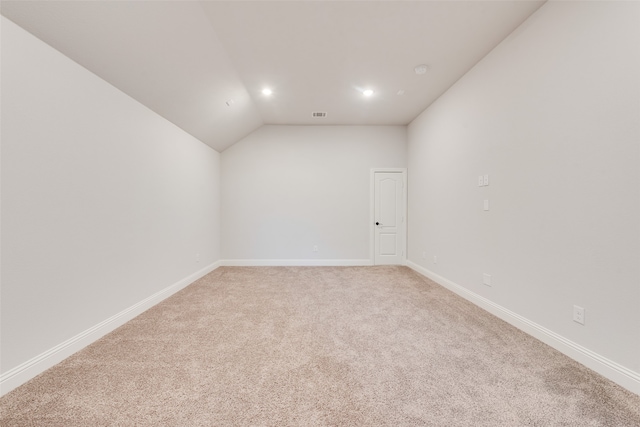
(203, 64)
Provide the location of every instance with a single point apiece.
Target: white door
(389, 218)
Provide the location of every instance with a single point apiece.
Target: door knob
(377, 223)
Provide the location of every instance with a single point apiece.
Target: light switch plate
(486, 205)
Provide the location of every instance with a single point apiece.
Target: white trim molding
(295, 262)
(24, 372)
(617, 373)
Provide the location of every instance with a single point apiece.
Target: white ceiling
(185, 59)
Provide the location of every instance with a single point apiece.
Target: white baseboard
(607, 368)
(20, 374)
(295, 262)
(29, 369)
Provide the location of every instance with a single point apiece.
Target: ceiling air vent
(318, 114)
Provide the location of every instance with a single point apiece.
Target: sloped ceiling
(187, 60)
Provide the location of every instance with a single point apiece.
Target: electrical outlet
(578, 314)
(486, 180)
(486, 279)
(480, 180)
(435, 259)
(197, 257)
(424, 255)
(315, 248)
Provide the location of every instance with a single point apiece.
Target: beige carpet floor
(318, 346)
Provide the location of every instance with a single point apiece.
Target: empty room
(320, 213)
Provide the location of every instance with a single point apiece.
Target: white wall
(104, 203)
(288, 188)
(552, 115)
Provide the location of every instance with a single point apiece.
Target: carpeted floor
(318, 346)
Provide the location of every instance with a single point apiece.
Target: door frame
(372, 207)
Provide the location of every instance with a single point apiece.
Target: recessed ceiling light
(367, 92)
(266, 91)
(421, 69)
